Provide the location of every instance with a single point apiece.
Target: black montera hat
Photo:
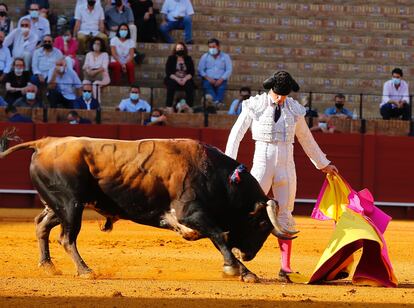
(281, 83)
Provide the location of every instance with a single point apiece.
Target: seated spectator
(38, 24)
(63, 84)
(177, 14)
(157, 118)
(68, 46)
(5, 58)
(43, 4)
(134, 103)
(215, 68)
(80, 3)
(16, 81)
(24, 42)
(122, 50)
(74, 118)
(30, 99)
(117, 15)
(86, 101)
(6, 24)
(395, 97)
(15, 117)
(236, 105)
(144, 20)
(324, 125)
(44, 60)
(89, 24)
(3, 103)
(310, 112)
(181, 106)
(179, 71)
(95, 68)
(339, 111)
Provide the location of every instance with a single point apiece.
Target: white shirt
(85, 2)
(390, 92)
(89, 20)
(177, 8)
(122, 48)
(43, 61)
(141, 106)
(20, 43)
(92, 62)
(5, 60)
(41, 27)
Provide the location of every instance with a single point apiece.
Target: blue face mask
(134, 96)
(30, 96)
(87, 95)
(123, 33)
(396, 81)
(213, 51)
(34, 14)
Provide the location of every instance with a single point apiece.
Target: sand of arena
(139, 266)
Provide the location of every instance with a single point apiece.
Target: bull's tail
(21, 146)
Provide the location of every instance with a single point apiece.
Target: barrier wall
(381, 163)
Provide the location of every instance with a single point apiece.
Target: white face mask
(154, 119)
(25, 30)
(62, 69)
(66, 38)
(73, 122)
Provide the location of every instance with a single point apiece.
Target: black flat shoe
(284, 276)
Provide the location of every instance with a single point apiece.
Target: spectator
(122, 50)
(324, 125)
(310, 112)
(44, 59)
(144, 20)
(134, 103)
(89, 23)
(38, 24)
(6, 24)
(80, 3)
(177, 14)
(117, 15)
(43, 4)
(5, 59)
(74, 118)
(24, 42)
(95, 68)
(181, 106)
(68, 46)
(395, 97)
(30, 99)
(236, 105)
(179, 71)
(86, 101)
(15, 117)
(339, 111)
(215, 68)
(16, 81)
(3, 103)
(62, 84)
(157, 118)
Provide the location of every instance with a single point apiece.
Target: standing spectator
(6, 24)
(24, 42)
(395, 97)
(122, 50)
(74, 118)
(339, 111)
(144, 20)
(215, 68)
(16, 81)
(236, 105)
(177, 14)
(134, 103)
(86, 101)
(15, 117)
(89, 23)
(62, 84)
(95, 68)
(179, 71)
(117, 15)
(5, 59)
(30, 99)
(39, 24)
(44, 59)
(68, 46)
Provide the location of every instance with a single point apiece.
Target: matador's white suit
(273, 164)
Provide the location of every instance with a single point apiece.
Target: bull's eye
(263, 225)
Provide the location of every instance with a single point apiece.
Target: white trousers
(274, 167)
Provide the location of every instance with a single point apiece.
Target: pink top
(92, 62)
(72, 47)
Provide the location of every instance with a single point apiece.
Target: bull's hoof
(249, 278)
(87, 274)
(49, 268)
(229, 270)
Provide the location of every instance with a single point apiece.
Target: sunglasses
(87, 91)
(24, 25)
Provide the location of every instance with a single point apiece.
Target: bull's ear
(257, 208)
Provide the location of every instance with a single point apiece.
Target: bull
(178, 184)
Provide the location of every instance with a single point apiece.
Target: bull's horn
(282, 236)
(272, 209)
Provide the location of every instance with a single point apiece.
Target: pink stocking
(285, 250)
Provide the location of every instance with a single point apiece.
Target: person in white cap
(275, 119)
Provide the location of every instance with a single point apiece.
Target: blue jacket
(80, 103)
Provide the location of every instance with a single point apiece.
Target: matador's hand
(330, 169)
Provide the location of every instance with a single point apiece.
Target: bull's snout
(242, 256)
